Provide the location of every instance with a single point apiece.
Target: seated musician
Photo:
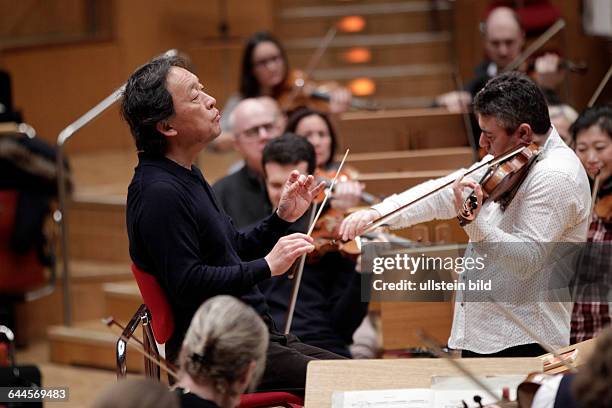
(317, 128)
(179, 233)
(503, 38)
(254, 122)
(265, 72)
(550, 205)
(328, 308)
(223, 354)
(592, 134)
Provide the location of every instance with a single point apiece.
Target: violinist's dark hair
(249, 87)
(147, 101)
(591, 386)
(512, 98)
(290, 149)
(595, 116)
(301, 113)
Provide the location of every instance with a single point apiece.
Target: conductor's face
(196, 119)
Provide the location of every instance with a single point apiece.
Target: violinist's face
(496, 140)
(315, 129)
(277, 175)
(594, 148)
(268, 65)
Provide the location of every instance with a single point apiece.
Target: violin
(299, 91)
(501, 181)
(603, 209)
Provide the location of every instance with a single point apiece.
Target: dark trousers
(286, 362)
(524, 350)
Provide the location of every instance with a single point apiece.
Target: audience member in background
(136, 393)
(265, 72)
(503, 38)
(255, 122)
(223, 354)
(592, 133)
(329, 307)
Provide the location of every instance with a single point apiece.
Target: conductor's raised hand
(286, 251)
(297, 194)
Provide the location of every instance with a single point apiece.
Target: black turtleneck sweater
(179, 233)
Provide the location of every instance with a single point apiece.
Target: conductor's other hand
(297, 194)
(286, 251)
(354, 224)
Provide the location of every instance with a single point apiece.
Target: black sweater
(178, 233)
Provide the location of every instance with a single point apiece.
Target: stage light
(351, 24)
(357, 55)
(362, 86)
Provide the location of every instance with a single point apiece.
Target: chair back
(155, 298)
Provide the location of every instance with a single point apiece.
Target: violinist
(503, 39)
(551, 204)
(329, 307)
(592, 134)
(317, 128)
(265, 72)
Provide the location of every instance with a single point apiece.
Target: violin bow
(313, 62)
(536, 45)
(298, 275)
(600, 87)
(372, 225)
(437, 350)
(532, 334)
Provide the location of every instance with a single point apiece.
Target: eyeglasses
(255, 131)
(275, 59)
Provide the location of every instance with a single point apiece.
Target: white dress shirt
(551, 205)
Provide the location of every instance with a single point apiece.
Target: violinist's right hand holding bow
(355, 224)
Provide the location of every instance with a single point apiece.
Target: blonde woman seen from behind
(223, 354)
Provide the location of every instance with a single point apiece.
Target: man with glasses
(254, 122)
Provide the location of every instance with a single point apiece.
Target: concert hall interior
(364, 203)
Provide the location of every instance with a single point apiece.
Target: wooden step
(89, 344)
(401, 129)
(375, 19)
(122, 300)
(412, 160)
(430, 52)
(87, 297)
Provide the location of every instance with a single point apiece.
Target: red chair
(162, 323)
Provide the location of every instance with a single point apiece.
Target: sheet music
(399, 398)
(445, 392)
(450, 391)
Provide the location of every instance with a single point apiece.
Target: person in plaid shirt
(592, 133)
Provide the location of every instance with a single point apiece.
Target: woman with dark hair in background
(592, 137)
(265, 72)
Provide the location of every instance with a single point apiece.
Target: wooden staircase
(403, 47)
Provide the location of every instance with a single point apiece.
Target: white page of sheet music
(450, 391)
(400, 398)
